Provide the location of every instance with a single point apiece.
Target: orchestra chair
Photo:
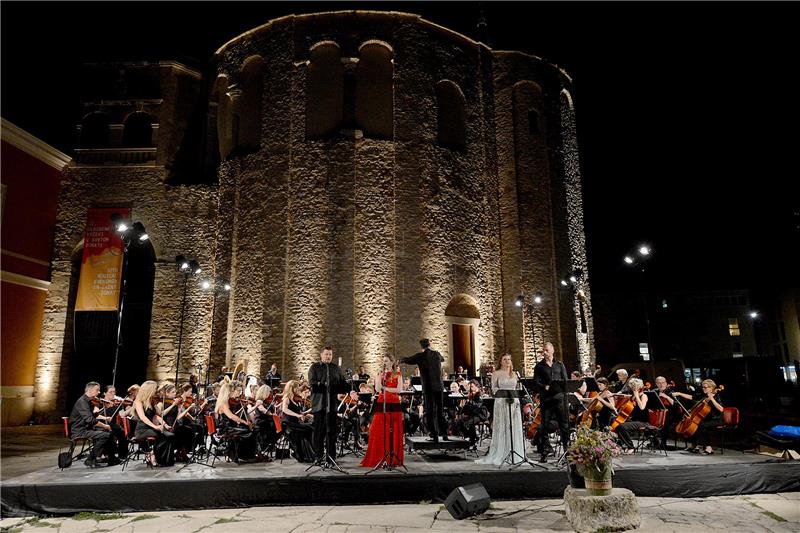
(219, 440)
(656, 418)
(135, 446)
(283, 444)
(87, 443)
(730, 422)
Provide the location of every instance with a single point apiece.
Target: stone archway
(463, 318)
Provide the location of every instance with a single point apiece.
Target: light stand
(226, 287)
(389, 458)
(188, 268)
(638, 259)
(128, 234)
(532, 310)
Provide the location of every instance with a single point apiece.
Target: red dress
(378, 436)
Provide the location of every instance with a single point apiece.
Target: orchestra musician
(232, 424)
(430, 367)
(112, 405)
(348, 411)
(149, 424)
(638, 417)
(327, 380)
(546, 372)
(701, 439)
(472, 413)
(175, 410)
(85, 423)
(295, 418)
(260, 415)
(621, 385)
(606, 399)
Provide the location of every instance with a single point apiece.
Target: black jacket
(430, 369)
(82, 419)
(317, 376)
(544, 374)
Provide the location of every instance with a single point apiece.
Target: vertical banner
(101, 267)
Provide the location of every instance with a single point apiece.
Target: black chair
(87, 445)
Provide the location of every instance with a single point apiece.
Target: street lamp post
(638, 259)
(215, 287)
(187, 268)
(129, 233)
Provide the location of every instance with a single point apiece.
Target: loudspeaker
(467, 501)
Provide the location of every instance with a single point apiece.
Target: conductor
(430, 366)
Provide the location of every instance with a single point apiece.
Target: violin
(625, 406)
(691, 420)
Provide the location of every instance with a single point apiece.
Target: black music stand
(508, 396)
(328, 462)
(389, 454)
(568, 388)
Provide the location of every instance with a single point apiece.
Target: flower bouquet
(591, 454)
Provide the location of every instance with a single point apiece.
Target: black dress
(163, 446)
(299, 433)
(242, 438)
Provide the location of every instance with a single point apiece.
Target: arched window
(224, 116)
(528, 103)
(138, 131)
(324, 86)
(375, 91)
(94, 131)
(450, 118)
(250, 108)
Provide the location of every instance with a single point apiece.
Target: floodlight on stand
(119, 223)
(629, 259)
(227, 286)
(573, 278)
(753, 314)
(195, 267)
(564, 283)
(519, 301)
(644, 250)
(537, 298)
(206, 284)
(182, 262)
(140, 232)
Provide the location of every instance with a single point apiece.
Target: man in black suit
(550, 376)
(326, 380)
(430, 366)
(85, 423)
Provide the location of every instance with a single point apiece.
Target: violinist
(112, 405)
(412, 409)
(348, 412)
(700, 439)
(602, 405)
(84, 423)
(472, 413)
(297, 420)
(261, 416)
(638, 417)
(150, 424)
(176, 413)
(238, 429)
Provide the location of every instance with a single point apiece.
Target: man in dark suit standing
(326, 380)
(430, 366)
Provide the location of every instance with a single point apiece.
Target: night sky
(688, 115)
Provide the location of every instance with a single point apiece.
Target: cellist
(637, 418)
(700, 439)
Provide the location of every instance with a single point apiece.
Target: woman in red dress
(383, 428)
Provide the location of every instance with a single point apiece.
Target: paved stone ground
(757, 513)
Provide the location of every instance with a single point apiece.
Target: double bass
(691, 420)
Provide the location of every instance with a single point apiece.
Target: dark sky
(687, 112)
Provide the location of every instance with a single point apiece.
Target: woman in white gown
(504, 379)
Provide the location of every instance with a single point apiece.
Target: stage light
(195, 267)
(227, 286)
(644, 250)
(519, 301)
(753, 314)
(573, 278)
(564, 283)
(119, 223)
(537, 299)
(143, 237)
(206, 284)
(182, 262)
(629, 259)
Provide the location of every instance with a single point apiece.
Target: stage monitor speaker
(467, 501)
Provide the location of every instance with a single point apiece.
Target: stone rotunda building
(377, 178)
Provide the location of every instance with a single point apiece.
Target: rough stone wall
(369, 240)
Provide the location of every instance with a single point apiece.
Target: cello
(691, 420)
(625, 406)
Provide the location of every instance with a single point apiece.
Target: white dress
(501, 440)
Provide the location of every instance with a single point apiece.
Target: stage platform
(432, 475)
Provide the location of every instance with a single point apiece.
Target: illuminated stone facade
(379, 179)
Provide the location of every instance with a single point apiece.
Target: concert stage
(431, 477)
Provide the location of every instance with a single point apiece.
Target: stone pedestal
(617, 512)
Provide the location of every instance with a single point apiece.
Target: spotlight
(143, 237)
(227, 286)
(573, 278)
(182, 263)
(519, 301)
(753, 314)
(195, 267)
(629, 259)
(537, 299)
(206, 284)
(564, 283)
(140, 232)
(118, 222)
(644, 250)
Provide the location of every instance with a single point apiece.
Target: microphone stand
(328, 463)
